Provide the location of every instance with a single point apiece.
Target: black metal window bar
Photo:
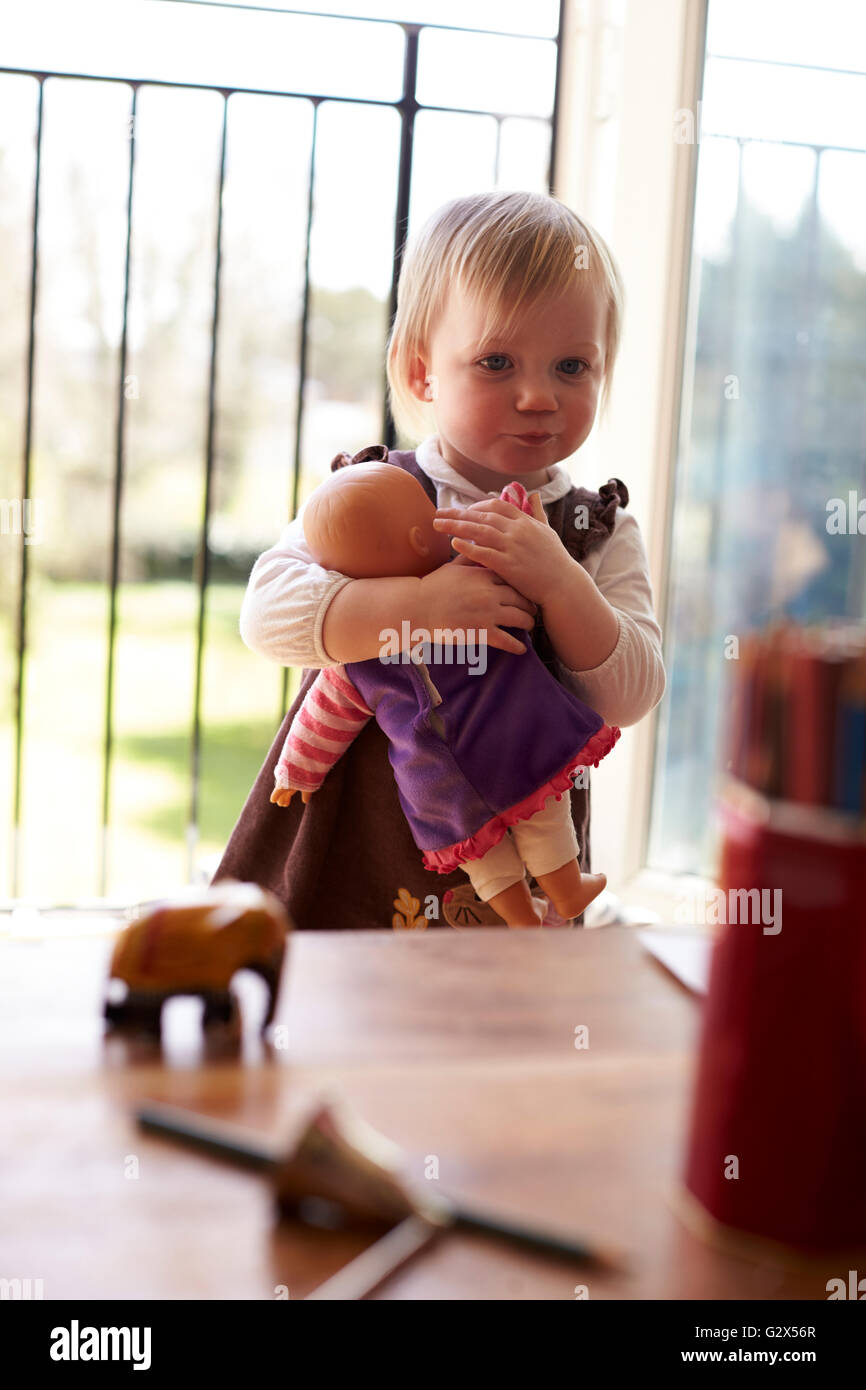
(407, 107)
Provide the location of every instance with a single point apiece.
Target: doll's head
(373, 520)
(507, 327)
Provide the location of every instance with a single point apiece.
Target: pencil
(223, 1141)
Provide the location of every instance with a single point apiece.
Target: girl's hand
(522, 550)
(462, 595)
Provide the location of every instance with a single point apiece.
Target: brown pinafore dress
(346, 859)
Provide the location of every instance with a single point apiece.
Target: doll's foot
(517, 906)
(569, 890)
(281, 796)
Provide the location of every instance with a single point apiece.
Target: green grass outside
(65, 686)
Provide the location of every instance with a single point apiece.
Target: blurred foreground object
(334, 1167)
(797, 730)
(777, 1150)
(193, 944)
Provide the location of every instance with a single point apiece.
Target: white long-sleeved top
(287, 597)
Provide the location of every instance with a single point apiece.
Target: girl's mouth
(534, 438)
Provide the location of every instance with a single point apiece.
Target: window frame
(639, 73)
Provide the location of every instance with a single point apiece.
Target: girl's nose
(535, 394)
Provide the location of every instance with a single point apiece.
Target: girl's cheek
(482, 399)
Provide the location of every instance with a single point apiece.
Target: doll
(481, 759)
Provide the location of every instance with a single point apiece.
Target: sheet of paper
(684, 952)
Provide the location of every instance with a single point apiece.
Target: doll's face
(509, 406)
(373, 520)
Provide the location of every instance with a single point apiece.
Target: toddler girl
(503, 344)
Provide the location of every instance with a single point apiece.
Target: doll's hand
(524, 551)
(281, 796)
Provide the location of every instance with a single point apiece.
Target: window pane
(209, 45)
(171, 308)
(453, 156)
(85, 154)
(508, 16)
(773, 424)
(351, 265)
(762, 102)
(524, 155)
(18, 111)
(261, 296)
(789, 31)
(482, 72)
(165, 391)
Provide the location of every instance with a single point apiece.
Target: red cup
(781, 1076)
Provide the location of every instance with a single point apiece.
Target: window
(774, 418)
(195, 329)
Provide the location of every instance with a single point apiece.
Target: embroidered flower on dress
(406, 917)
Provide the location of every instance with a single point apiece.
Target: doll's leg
(498, 878)
(548, 847)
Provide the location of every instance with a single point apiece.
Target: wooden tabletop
(459, 1046)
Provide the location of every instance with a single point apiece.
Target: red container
(781, 1078)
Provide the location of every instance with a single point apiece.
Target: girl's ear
(418, 378)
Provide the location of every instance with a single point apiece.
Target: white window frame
(627, 68)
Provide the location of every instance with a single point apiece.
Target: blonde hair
(507, 250)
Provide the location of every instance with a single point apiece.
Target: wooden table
(460, 1046)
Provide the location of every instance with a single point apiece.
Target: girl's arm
(285, 601)
(299, 614)
(588, 643)
(629, 679)
(289, 596)
(456, 597)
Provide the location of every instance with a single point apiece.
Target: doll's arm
(331, 716)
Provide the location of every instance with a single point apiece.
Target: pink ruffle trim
(443, 861)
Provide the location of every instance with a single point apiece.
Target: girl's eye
(495, 362)
(570, 365)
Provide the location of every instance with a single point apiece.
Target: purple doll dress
(490, 754)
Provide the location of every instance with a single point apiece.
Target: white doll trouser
(541, 844)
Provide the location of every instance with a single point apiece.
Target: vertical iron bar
(303, 334)
(25, 493)
(557, 90)
(116, 514)
(408, 111)
(305, 315)
(203, 563)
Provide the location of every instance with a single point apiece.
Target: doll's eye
(496, 362)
